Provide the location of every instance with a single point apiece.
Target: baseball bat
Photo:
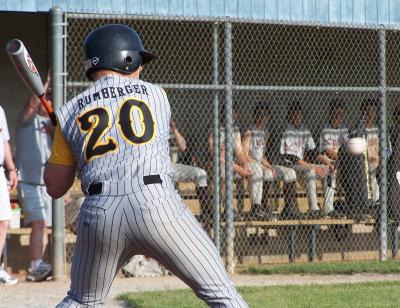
(29, 74)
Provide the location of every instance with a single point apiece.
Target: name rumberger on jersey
(112, 92)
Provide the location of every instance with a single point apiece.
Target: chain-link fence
(279, 103)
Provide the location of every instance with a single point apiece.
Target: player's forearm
(181, 144)
(332, 154)
(179, 140)
(241, 156)
(237, 168)
(265, 163)
(30, 110)
(324, 159)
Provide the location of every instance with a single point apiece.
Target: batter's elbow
(52, 189)
(53, 193)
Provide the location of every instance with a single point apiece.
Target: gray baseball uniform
(118, 131)
(257, 149)
(296, 141)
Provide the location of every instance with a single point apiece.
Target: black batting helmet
(115, 47)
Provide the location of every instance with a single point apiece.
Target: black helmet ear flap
(115, 47)
(131, 59)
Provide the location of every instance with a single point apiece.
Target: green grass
(373, 294)
(345, 268)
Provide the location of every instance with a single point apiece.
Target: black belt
(97, 187)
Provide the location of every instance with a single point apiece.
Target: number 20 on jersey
(96, 123)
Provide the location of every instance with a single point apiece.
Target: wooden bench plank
(23, 231)
(300, 222)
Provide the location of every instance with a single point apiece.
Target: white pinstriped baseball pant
(153, 222)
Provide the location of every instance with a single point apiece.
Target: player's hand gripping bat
(26, 69)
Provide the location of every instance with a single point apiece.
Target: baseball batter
(115, 135)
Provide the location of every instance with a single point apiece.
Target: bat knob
(13, 46)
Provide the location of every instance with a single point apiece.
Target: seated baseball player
(333, 136)
(240, 168)
(369, 114)
(263, 173)
(186, 173)
(362, 192)
(298, 151)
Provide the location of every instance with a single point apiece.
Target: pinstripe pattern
(130, 161)
(129, 217)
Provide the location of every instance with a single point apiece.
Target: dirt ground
(49, 293)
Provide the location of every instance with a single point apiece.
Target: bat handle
(53, 118)
(49, 109)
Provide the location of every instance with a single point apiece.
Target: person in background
(255, 145)
(240, 160)
(34, 137)
(369, 114)
(5, 208)
(333, 136)
(299, 152)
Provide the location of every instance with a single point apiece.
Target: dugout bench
(241, 198)
(311, 227)
(292, 227)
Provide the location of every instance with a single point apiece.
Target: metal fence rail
(221, 75)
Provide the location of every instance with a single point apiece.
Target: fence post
(57, 77)
(229, 148)
(217, 228)
(383, 146)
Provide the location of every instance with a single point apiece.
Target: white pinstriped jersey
(332, 138)
(296, 141)
(118, 129)
(258, 143)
